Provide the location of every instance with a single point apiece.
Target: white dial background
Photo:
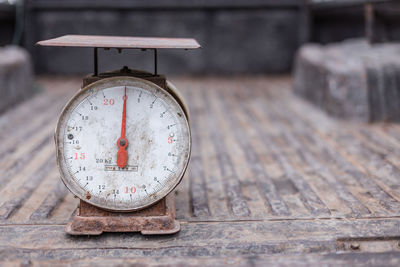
(158, 151)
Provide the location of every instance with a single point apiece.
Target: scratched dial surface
(158, 150)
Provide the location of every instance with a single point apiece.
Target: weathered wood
(263, 180)
(197, 187)
(333, 152)
(112, 257)
(53, 199)
(231, 183)
(308, 196)
(14, 166)
(270, 174)
(313, 164)
(214, 187)
(23, 193)
(221, 239)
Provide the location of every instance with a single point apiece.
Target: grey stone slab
(16, 76)
(351, 80)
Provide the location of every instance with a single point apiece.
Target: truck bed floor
(272, 180)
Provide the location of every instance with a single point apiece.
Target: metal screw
(122, 142)
(355, 246)
(70, 136)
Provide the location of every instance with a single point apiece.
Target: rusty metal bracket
(96, 65)
(158, 219)
(155, 62)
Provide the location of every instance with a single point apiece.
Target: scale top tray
(121, 42)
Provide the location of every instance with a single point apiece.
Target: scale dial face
(137, 172)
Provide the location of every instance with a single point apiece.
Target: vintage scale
(123, 142)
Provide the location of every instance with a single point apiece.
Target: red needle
(122, 142)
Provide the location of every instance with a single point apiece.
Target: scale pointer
(122, 142)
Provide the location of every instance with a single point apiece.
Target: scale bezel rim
(60, 156)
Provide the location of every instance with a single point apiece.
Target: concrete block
(351, 80)
(16, 76)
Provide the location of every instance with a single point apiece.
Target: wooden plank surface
(269, 174)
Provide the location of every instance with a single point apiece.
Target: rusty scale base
(154, 220)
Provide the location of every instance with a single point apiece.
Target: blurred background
(239, 37)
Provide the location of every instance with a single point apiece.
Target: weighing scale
(123, 142)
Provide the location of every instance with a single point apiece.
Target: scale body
(123, 143)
